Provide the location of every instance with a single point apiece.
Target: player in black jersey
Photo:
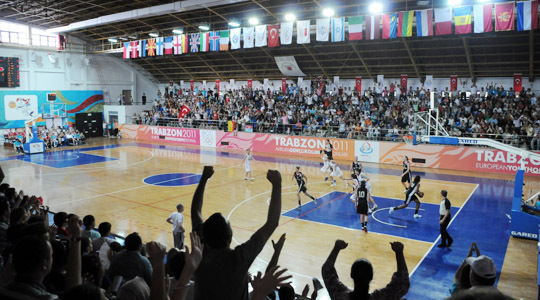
(301, 179)
(362, 197)
(412, 192)
(356, 166)
(328, 149)
(406, 176)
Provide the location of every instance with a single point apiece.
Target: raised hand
(208, 171)
(74, 226)
(274, 177)
(193, 258)
(279, 245)
(340, 244)
(262, 286)
(156, 250)
(397, 246)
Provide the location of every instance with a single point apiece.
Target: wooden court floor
(114, 191)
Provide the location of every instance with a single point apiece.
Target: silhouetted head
(361, 272)
(217, 232)
(133, 242)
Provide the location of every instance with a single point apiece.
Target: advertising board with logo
(367, 151)
(157, 133)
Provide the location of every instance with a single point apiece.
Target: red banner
(284, 85)
(359, 84)
(250, 83)
(217, 85)
(273, 35)
(518, 78)
(183, 112)
(171, 83)
(504, 16)
(403, 84)
(453, 82)
(191, 85)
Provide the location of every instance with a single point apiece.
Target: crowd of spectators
(53, 137)
(71, 260)
(380, 113)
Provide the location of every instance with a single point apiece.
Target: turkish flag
(518, 78)
(171, 83)
(217, 85)
(250, 83)
(273, 35)
(191, 84)
(183, 112)
(359, 84)
(284, 85)
(453, 82)
(403, 83)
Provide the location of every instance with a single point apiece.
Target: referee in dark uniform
(444, 220)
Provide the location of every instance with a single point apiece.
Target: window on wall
(41, 38)
(14, 33)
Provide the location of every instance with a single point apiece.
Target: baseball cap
(482, 266)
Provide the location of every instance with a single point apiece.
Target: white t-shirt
(176, 217)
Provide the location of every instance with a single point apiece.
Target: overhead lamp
(123, 38)
(113, 40)
(375, 8)
(234, 24)
(204, 27)
(483, 0)
(153, 34)
(290, 17)
(253, 21)
(328, 12)
(133, 37)
(454, 2)
(178, 31)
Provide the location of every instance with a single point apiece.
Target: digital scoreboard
(9, 72)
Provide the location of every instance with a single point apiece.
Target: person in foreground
(362, 274)
(223, 272)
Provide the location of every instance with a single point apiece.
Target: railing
(320, 130)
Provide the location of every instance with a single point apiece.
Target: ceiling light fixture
(290, 17)
(113, 40)
(454, 2)
(234, 24)
(204, 27)
(153, 34)
(375, 8)
(328, 12)
(178, 31)
(253, 21)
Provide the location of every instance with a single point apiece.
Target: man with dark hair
(130, 263)
(60, 220)
(32, 261)
(444, 220)
(104, 231)
(222, 273)
(89, 223)
(362, 274)
(177, 220)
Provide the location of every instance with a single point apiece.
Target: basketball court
(136, 185)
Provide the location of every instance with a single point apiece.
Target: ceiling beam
(412, 59)
(469, 61)
(362, 61)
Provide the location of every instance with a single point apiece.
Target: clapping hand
(279, 245)
(74, 226)
(208, 171)
(397, 246)
(262, 286)
(156, 251)
(340, 244)
(274, 177)
(193, 258)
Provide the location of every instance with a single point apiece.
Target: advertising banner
(158, 133)
(367, 151)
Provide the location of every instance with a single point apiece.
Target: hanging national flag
(183, 112)
(355, 28)
(518, 78)
(389, 26)
(453, 82)
(261, 40)
(443, 21)
(217, 85)
(504, 16)
(249, 83)
(483, 18)
(358, 83)
(249, 37)
(168, 45)
(527, 15)
(127, 50)
(142, 48)
(194, 41)
(284, 85)
(373, 27)
(463, 19)
(235, 38)
(285, 33)
(302, 32)
(151, 47)
(224, 40)
(134, 49)
(191, 85)
(338, 30)
(214, 40)
(405, 21)
(424, 22)
(185, 43)
(273, 35)
(159, 46)
(403, 83)
(205, 41)
(177, 44)
(322, 32)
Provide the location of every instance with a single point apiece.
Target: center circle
(173, 179)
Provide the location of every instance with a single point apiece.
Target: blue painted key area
(173, 179)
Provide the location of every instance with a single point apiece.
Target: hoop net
(408, 139)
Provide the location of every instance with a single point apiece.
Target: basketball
(421, 194)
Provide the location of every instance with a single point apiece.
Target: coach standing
(177, 220)
(444, 220)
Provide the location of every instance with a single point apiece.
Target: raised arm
(73, 268)
(157, 252)
(197, 203)
(277, 251)
(329, 273)
(274, 210)
(2, 176)
(397, 247)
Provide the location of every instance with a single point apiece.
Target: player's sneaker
(369, 211)
(325, 178)
(364, 229)
(315, 201)
(416, 216)
(405, 191)
(391, 210)
(375, 207)
(251, 178)
(333, 184)
(299, 206)
(245, 178)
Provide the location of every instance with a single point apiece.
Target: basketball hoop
(408, 139)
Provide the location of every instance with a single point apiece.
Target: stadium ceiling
(473, 55)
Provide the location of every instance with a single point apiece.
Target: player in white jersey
(326, 165)
(336, 172)
(247, 164)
